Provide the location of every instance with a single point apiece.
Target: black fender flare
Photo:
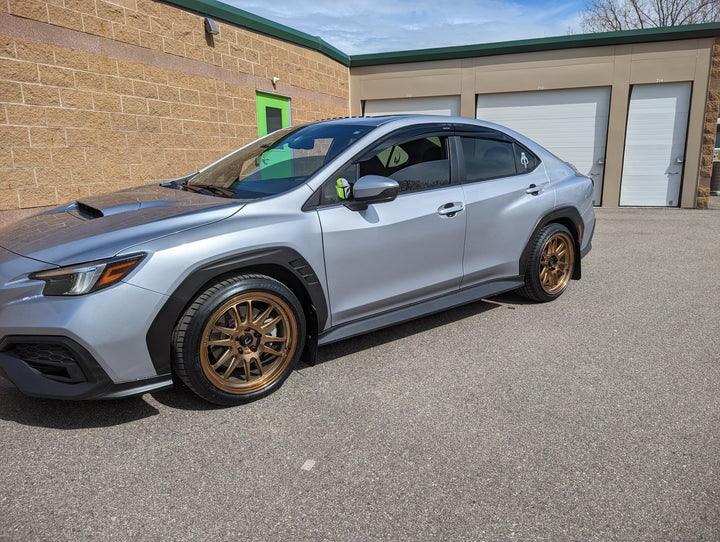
(282, 263)
(568, 217)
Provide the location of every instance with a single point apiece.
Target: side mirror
(373, 189)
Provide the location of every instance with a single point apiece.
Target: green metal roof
(572, 41)
(239, 17)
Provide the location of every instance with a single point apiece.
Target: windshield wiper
(218, 190)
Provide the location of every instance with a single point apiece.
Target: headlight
(88, 277)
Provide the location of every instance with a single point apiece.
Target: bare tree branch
(610, 15)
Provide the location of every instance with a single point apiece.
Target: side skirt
(424, 308)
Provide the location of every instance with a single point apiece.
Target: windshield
(276, 163)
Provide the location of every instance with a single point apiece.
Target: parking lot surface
(594, 417)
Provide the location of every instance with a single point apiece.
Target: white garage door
(433, 105)
(570, 123)
(655, 144)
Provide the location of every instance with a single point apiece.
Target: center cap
(246, 340)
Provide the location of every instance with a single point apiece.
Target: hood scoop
(95, 209)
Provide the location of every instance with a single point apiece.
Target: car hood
(98, 227)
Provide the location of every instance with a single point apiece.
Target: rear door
(570, 123)
(506, 194)
(396, 253)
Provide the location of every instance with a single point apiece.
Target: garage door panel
(570, 123)
(431, 105)
(655, 144)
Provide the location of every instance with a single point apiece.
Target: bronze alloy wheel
(248, 342)
(556, 263)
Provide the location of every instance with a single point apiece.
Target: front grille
(52, 360)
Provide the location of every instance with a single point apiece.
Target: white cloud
(371, 26)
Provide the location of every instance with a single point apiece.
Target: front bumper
(60, 368)
(75, 347)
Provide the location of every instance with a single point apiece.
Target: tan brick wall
(712, 113)
(117, 94)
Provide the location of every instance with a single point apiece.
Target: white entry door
(430, 105)
(655, 145)
(570, 123)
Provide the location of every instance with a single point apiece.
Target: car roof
(398, 121)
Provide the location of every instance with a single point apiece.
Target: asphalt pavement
(594, 417)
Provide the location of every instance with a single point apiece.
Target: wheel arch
(566, 216)
(282, 264)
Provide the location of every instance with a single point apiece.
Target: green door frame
(263, 101)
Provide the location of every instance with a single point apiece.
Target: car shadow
(180, 397)
(377, 338)
(57, 414)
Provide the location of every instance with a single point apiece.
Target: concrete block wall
(712, 113)
(100, 95)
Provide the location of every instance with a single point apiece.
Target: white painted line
(308, 465)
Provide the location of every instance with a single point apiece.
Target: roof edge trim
(571, 41)
(245, 19)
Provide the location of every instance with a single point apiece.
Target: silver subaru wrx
(225, 278)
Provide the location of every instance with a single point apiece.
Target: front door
(396, 253)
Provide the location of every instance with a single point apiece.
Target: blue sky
(373, 26)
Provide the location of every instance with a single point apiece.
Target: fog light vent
(54, 361)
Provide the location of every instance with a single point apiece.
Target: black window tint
(487, 158)
(525, 161)
(420, 164)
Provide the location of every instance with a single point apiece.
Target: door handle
(450, 209)
(534, 190)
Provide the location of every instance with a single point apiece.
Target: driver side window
(419, 164)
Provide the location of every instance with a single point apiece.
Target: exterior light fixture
(211, 26)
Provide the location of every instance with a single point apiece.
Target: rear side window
(492, 158)
(525, 161)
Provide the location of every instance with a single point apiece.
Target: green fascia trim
(572, 41)
(239, 17)
(245, 19)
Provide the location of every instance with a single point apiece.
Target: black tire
(228, 358)
(550, 263)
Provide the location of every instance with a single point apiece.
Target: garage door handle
(534, 190)
(451, 209)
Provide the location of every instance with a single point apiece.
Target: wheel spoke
(259, 365)
(246, 366)
(236, 317)
(221, 342)
(233, 365)
(248, 313)
(223, 359)
(269, 325)
(272, 351)
(224, 330)
(272, 339)
(264, 316)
